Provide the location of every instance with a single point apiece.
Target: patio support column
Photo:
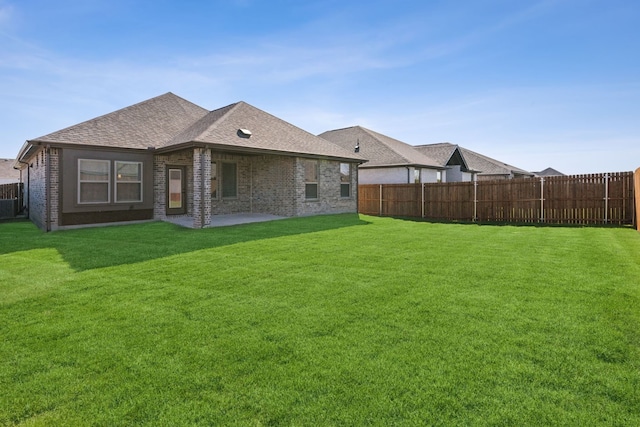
(201, 187)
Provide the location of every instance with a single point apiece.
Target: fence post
(422, 205)
(606, 197)
(636, 192)
(475, 201)
(541, 199)
(380, 211)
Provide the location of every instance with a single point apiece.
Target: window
(416, 176)
(128, 181)
(439, 176)
(93, 181)
(310, 179)
(345, 179)
(214, 180)
(229, 180)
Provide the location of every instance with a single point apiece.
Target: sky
(533, 83)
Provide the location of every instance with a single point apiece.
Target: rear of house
(168, 158)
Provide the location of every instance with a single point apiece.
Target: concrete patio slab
(226, 220)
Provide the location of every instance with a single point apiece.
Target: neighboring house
(449, 156)
(389, 161)
(548, 172)
(8, 175)
(486, 167)
(167, 157)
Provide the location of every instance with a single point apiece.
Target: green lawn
(331, 320)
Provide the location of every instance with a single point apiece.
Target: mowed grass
(331, 320)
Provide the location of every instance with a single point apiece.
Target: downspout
(357, 188)
(47, 166)
(23, 184)
(408, 175)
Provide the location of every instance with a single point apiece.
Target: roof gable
(445, 153)
(380, 150)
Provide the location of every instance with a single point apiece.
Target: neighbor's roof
(380, 150)
(549, 172)
(488, 166)
(443, 152)
(7, 173)
(169, 122)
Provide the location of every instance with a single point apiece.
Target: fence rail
(578, 199)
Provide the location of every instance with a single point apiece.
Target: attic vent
(244, 133)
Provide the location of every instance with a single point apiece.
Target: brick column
(201, 187)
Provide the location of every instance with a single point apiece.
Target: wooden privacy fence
(578, 199)
(10, 199)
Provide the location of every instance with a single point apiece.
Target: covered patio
(225, 220)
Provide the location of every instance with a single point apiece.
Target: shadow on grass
(511, 224)
(90, 248)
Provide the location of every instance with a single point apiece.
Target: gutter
(257, 151)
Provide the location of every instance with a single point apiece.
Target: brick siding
(36, 191)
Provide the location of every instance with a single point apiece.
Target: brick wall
(329, 200)
(243, 202)
(265, 184)
(36, 188)
(201, 187)
(160, 163)
(54, 190)
(274, 191)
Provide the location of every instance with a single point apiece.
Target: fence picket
(577, 199)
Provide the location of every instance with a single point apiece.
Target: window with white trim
(345, 179)
(94, 180)
(311, 179)
(128, 181)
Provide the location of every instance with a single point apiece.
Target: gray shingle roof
(7, 173)
(268, 133)
(475, 161)
(169, 122)
(549, 172)
(488, 166)
(441, 153)
(147, 124)
(380, 150)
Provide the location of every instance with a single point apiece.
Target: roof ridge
(231, 107)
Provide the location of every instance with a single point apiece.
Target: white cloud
(6, 14)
